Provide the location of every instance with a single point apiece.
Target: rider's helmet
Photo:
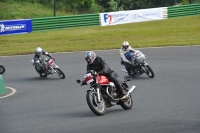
(90, 56)
(125, 45)
(38, 51)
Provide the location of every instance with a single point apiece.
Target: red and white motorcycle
(103, 94)
(51, 68)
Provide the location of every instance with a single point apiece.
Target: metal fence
(50, 23)
(183, 10)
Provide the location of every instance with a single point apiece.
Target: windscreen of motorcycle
(140, 57)
(88, 78)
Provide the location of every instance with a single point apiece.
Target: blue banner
(15, 26)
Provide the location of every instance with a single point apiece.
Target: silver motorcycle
(138, 65)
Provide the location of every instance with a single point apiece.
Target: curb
(9, 91)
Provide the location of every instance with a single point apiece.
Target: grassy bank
(10, 10)
(170, 32)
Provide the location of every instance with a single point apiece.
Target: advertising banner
(147, 14)
(113, 18)
(122, 17)
(15, 26)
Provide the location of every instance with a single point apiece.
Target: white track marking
(13, 92)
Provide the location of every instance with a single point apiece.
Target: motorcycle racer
(97, 64)
(125, 55)
(38, 59)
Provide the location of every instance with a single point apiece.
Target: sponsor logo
(107, 18)
(145, 15)
(114, 18)
(4, 28)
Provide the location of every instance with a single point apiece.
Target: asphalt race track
(168, 103)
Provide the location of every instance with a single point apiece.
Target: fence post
(2, 86)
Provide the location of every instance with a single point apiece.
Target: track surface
(168, 103)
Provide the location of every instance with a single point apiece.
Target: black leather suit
(102, 68)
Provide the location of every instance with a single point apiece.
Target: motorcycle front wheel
(149, 71)
(127, 104)
(2, 69)
(60, 73)
(98, 108)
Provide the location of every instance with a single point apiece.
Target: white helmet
(38, 51)
(125, 45)
(90, 56)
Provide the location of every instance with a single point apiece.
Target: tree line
(97, 6)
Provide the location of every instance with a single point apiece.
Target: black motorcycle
(103, 94)
(2, 69)
(138, 65)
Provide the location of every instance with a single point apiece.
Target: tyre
(2, 69)
(37, 69)
(149, 71)
(98, 108)
(60, 73)
(127, 104)
(43, 75)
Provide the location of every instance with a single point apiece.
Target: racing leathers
(102, 68)
(124, 60)
(39, 61)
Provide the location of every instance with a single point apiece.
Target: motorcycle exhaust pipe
(131, 90)
(110, 95)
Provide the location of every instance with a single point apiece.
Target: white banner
(122, 17)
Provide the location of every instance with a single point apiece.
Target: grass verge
(182, 31)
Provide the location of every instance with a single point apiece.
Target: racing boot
(123, 92)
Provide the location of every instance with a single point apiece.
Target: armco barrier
(2, 86)
(183, 10)
(65, 22)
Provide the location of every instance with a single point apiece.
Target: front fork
(98, 95)
(97, 90)
(143, 67)
(52, 68)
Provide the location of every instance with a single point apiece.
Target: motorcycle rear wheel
(2, 69)
(127, 104)
(149, 71)
(96, 107)
(60, 73)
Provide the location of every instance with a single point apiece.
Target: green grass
(182, 31)
(23, 10)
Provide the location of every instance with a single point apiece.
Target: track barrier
(2, 86)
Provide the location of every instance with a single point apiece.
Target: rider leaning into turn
(38, 59)
(123, 51)
(97, 64)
